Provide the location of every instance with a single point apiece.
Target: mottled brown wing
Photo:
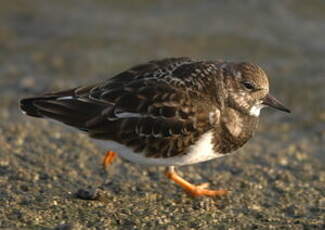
(156, 107)
(75, 106)
(150, 116)
(198, 78)
(152, 69)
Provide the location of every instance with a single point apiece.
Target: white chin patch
(256, 109)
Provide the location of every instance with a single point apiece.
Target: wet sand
(277, 180)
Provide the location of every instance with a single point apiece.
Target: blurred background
(48, 45)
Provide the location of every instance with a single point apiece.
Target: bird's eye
(248, 85)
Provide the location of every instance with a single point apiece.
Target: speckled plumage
(160, 109)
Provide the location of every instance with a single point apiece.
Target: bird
(169, 112)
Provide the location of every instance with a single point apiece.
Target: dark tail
(28, 107)
(62, 106)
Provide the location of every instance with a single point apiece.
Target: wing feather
(158, 107)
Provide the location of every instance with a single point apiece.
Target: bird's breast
(234, 131)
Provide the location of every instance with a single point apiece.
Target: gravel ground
(51, 176)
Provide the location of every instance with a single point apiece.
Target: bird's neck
(235, 130)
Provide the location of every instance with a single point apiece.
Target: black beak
(271, 101)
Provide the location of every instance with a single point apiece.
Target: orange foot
(108, 158)
(193, 190)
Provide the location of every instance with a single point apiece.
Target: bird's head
(248, 89)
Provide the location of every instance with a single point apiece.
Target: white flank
(201, 151)
(256, 109)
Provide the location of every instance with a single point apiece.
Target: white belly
(201, 151)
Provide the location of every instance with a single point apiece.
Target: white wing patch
(128, 115)
(65, 98)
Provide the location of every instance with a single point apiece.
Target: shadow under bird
(170, 112)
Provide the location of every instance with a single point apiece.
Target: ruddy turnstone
(169, 112)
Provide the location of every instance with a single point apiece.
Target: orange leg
(193, 190)
(108, 158)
